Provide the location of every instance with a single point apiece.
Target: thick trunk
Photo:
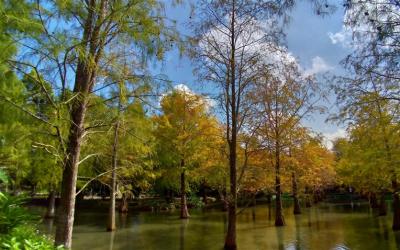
(382, 205)
(396, 206)
(84, 80)
(296, 202)
(65, 218)
(184, 209)
(51, 205)
(279, 220)
(111, 212)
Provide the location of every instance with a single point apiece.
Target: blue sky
(308, 40)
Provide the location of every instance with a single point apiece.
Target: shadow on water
(326, 226)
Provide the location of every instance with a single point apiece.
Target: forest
(96, 141)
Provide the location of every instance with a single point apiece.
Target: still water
(326, 226)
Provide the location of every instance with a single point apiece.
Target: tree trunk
(65, 218)
(279, 219)
(51, 205)
(382, 205)
(308, 201)
(396, 206)
(230, 240)
(111, 213)
(84, 79)
(296, 202)
(225, 203)
(204, 195)
(123, 206)
(184, 209)
(307, 197)
(373, 202)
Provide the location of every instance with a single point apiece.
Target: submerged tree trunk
(279, 219)
(307, 197)
(396, 206)
(51, 205)
(184, 209)
(85, 74)
(225, 202)
(233, 105)
(230, 240)
(296, 202)
(123, 206)
(66, 210)
(382, 205)
(373, 202)
(111, 212)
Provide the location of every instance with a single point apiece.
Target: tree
(184, 131)
(283, 96)
(374, 27)
(371, 152)
(231, 37)
(226, 32)
(76, 55)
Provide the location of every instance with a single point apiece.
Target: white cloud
(318, 66)
(210, 103)
(330, 137)
(343, 37)
(183, 88)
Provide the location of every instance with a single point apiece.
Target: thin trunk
(51, 205)
(230, 240)
(279, 220)
(307, 197)
(396, 206)
(111, 213)
(184, 209)
(205, 195)
(296, 205)
(253, 210)
(123, 206)
(373, 202)
(225, 203)
(382, 205)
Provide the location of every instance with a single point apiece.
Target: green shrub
(16, 229)
(195, 201)
(26, 238)
(12, 214)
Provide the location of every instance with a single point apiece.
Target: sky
(318, 43)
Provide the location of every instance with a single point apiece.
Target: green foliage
(12, 214)
(3, 177)
(195, 201)
(16, 230)
(26, 238)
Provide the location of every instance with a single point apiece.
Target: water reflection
(323, 227)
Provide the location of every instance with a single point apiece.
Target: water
(326, 226)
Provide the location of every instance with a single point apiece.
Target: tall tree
(76, 55)
(184, 130)
(231, 37)
(283, 96)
